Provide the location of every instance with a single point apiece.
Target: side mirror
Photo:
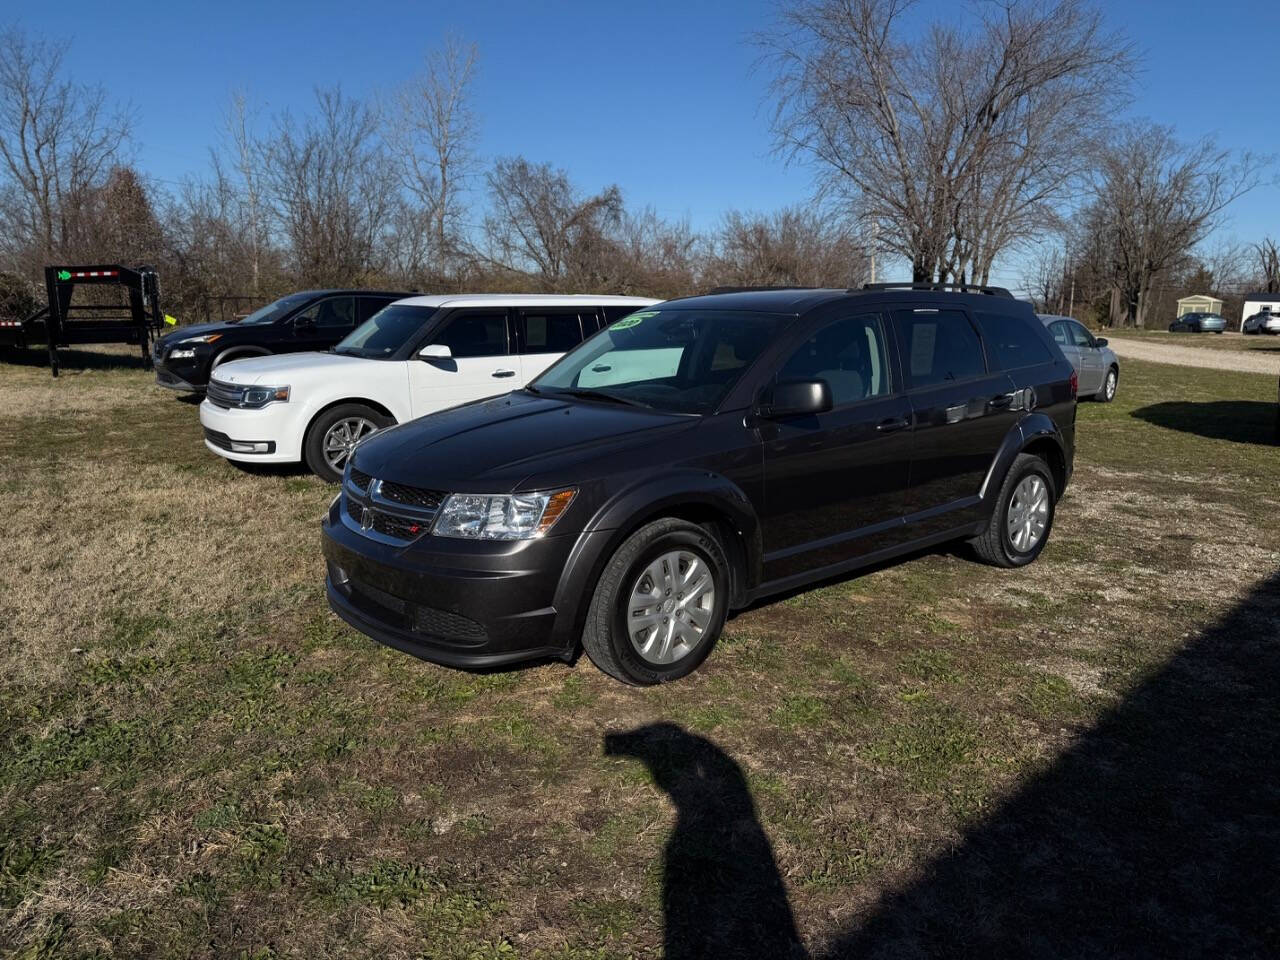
(1100, 342)
(435, 351)
(796, 398)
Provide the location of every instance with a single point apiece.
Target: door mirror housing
(435, 351)
(1100, 342)
(796, 398)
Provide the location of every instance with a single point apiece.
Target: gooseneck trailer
(63, 323)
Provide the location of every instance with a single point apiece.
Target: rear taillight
(1075, 384)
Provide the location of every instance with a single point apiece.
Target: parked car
(695, 457)
(1199, 323)
(414, 357)
(1262, 323)
(310, 320)
(1095, 362)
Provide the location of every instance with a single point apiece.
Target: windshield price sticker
(634, 320)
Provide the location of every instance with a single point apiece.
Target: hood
(194, 330)
(285, 369)
(493, 445)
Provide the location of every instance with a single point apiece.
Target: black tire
(994, 544)
(1172, 328)
(313, 445)
(605, 637)
(1102, 395)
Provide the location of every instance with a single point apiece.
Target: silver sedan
(1097, 367)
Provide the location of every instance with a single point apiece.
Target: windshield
(682, 361)
(274, 311)
(385, 332)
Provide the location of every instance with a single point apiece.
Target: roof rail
(929, 285)
(715, 290)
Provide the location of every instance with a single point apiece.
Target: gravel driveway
(1243, 361)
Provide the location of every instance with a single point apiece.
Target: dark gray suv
(696, 456)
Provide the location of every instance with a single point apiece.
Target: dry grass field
(932, 759)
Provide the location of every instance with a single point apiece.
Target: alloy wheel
(1028, 513)
(341, 438)
(670, 607)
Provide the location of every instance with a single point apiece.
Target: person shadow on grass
(722, 894)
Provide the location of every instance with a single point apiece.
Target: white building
(1259, 303)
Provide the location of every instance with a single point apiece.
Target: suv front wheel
(334, 435)
(659, 605)
(1023, 517)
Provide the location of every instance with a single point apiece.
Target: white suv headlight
(501, 516)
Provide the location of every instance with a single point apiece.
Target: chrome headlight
(254, 397)
(515, 516)
(207, 338)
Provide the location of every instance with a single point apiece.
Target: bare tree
(790, 247)
(432, 131)
(332, 187)
(1268, 264)
(58, 142)
(957, 144)
(540, 224)
(248, 162)
(1046, 277)
(1155, 200)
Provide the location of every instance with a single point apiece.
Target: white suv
(414, 357)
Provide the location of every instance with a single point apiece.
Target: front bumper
(455, 602)
(265, 435)
(183, 376)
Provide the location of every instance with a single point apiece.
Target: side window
(938, 346)
(366, 307)
(1011, 341)
(1060, 333)
(1080, 335)
(849, 354)
(475, 333)
(332, 313)
(549, 331)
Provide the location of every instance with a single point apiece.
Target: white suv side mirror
(435, 351)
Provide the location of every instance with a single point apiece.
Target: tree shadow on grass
(1156, 835)
(1240, 421)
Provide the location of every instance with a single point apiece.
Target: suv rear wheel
(659, 605)
(335, 433)
(1023, 516)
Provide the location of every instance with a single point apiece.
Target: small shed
(1259, 303)
(1199, 304)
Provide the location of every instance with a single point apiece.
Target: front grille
(218, 439)
(224, 394)
(387, 524)
(360, 478)
(411, 496)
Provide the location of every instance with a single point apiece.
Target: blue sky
(659, 97)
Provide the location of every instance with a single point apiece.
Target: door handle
(1002, 400)
(892, 424)
(499, 374)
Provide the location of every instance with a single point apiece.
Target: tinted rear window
(1011, 341)
(938, 346)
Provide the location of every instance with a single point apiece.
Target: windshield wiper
(600, 395)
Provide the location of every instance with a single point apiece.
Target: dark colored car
(694, 457)
(310, 320)
(1199, 323)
